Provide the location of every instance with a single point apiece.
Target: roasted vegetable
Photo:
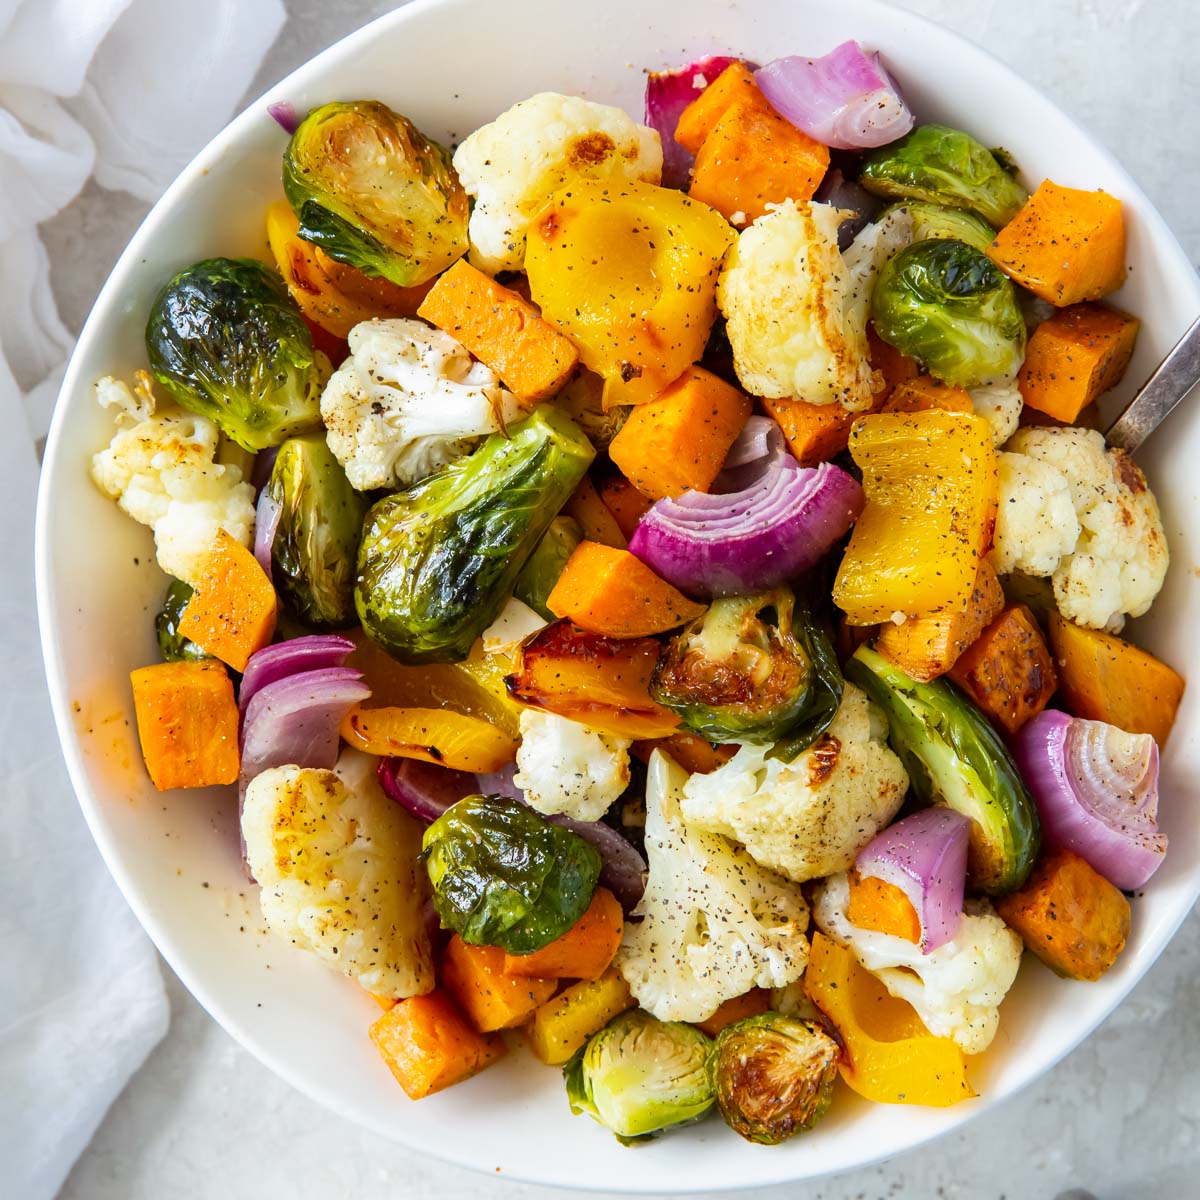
(585, 951)
(947, 305)
(602, 682)
(629, 272)
(543, 567)
(639, 1075)
(755, 669)
(954, 757)
(930, 480)
(1065, 245)
(773, 1076)
(316, 541)
(502, 876)
(228, 342)
(187, 721)
(172, 645)
(372, 191)
(931, 220)
(1069, 915)
(438, 561)
(562, 1025)
(490, 999)
(945, 166)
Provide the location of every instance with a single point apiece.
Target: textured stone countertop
(1120, 1116)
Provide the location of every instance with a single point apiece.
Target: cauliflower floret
(408, 401)
(565, 767)
(1111, 550)
(336, 862)
(865, 257)
(512, 166)
(957, 988)
(160, 468)
(999, 404)
(795, 316)
(714, 923)
(809, 817)
(1035, 520)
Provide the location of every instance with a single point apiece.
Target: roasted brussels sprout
(946, 166)
(320, 522)
(539, 575)
(503, 876)
(172, 645)
(639, 1075)
(372, 191)
(954, 757)
(755, 669)
(228, 342)
(937, 221)
(438, 561)
(773, 1076)
(951, 308)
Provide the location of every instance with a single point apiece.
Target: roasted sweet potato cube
(924, 392)
(815, 433)
(748, 1004)
(926, 647)
(491, 999)
(1069, 915)
(734, 85)
(627, 505)
(1065, 245)
(1075, 356)
(1008, 670)
(893, 367)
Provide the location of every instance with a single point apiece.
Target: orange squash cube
(428, 1046)
(627, 505)
(752, 158)
(815, 433)
(231, 613)
(882, 907)
(1008, 671)
(583, 952)
(474, 976)
(1075, 356)
(595, 517)
(680, 439)
(187, 722)
(1065, 245)
(924, 392)
(734, 85)
(749, 1004)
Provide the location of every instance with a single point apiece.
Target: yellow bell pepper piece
(433, 735)
(561, 1025)
(629, 273)
(890, 1057)
(931, 485)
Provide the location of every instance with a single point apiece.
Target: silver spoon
(1177, 374)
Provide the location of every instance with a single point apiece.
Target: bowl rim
(1159, 234)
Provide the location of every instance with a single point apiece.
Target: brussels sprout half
(320, 523)
(372, 191)
(937, 221)
(954, 757)
(172, 645)
(773, 1076)
(639, 1075)
(539, 575)
(503, 876)
(755, 669)
(438, 561)
(951, 308)
(228, 342)
(946, 166)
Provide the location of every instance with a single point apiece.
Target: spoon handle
(1177, 374)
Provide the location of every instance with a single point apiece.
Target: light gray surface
(1120, 1116)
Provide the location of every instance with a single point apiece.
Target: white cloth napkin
(126, 90)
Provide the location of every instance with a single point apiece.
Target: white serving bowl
(451, 66)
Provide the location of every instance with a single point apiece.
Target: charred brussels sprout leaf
(372, 191)
(228, 342)
(539, 575)
(172, 645)
(639, 1075)
(954, 757)
(503, 876)
(755, 669)
(773, 1076)
(316, 544)
(951, 308)
(938, 221)
(945, 166)
(438, 561)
